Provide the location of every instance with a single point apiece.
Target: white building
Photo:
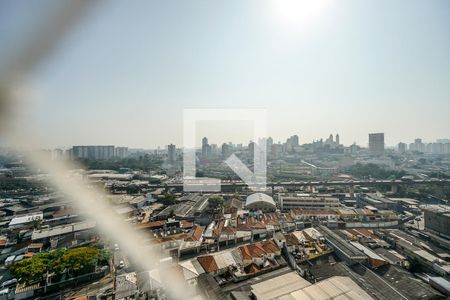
(260, 201)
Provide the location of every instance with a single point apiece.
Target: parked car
(9, 283)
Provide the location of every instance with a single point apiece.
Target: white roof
(312, 232)
(259, 197)
(26, 219)
(191, 268)
(336, 287)
(367, 251)
(279, 286)
(63, 229)
(224, 259)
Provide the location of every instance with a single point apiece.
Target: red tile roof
(208, 263)
(196, 233)
(229, 230)
(270, 246)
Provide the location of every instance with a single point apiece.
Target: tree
(132, 189)
(29, 270)
(215, 202)
(80, 260)
(74, 262)
(168, 199)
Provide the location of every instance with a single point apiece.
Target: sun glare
(298, 12)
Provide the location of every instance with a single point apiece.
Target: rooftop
(259, 197)
(279, 286)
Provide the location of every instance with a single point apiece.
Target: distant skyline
(244, 143)
(126, 72)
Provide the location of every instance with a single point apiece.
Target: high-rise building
(269, 142)
(57, 154)
(330, 138)
(251, 148)
(291, 143)
(337, 139)
(171, 153)
(205, 147)
(225, 150)
(295, 141)
(269, 146)
(93, 152)
(402, 147)
(121, 152)
(376, 143)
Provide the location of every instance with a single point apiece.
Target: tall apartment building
(171, 152)
(121, 152)
(402, 147)
(306, 201)
(225, 150)
(93, 152)
(206, 149)
(376, 143)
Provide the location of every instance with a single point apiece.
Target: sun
(298, 12)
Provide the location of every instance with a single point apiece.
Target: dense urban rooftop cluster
(334, 221)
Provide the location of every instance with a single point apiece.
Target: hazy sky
(126, 73)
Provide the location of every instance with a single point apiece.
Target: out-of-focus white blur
(33, 46)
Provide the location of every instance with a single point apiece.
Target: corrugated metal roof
(279, 286)
(337, 287)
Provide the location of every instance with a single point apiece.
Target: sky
(127, 71)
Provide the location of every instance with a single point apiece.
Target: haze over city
(124, 75)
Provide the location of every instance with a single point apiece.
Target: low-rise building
(437, 219)
(260, 202)
(305, 201)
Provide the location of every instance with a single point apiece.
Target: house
(196, 233)
(208, 263)
(259, 253)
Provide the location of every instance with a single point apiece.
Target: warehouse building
(292, 287)
(306, 201)
(437, 219)
(260, 201)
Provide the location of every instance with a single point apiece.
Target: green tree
(132, 189)
(215, 202)
(80, 260)
(74, 261)
(29, 270)
(168, 199)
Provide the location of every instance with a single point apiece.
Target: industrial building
(292, 287)
(437, 219)
(260, 201)
(343, 249)
(375, 200)
(306, 201)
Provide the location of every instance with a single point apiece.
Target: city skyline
(245, 144)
